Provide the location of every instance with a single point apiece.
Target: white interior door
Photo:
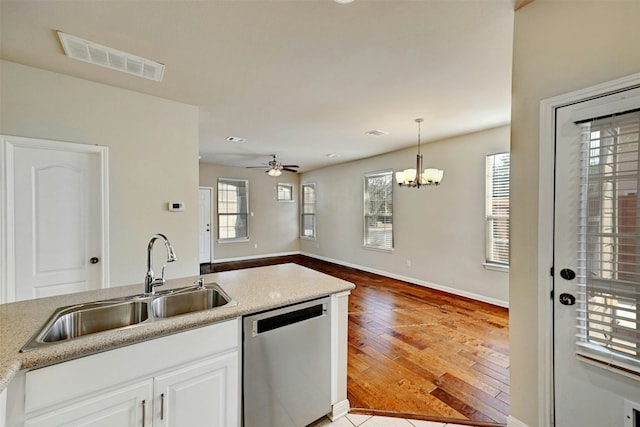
(205, 225)
(597, 237)
(55, 216)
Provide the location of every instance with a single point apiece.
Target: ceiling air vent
(236, 140)
(84, 50)
(376, 132)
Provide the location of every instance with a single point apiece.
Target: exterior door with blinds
(596, 275)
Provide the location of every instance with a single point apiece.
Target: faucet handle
(200, 283)
(160, 281)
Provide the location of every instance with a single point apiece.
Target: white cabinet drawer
(49, 386)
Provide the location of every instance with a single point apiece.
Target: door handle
(94, 260)
(567, 299)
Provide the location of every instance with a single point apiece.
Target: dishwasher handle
(289, 318)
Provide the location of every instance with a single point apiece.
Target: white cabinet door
(125, 407)
(205, 393)
(3, 408)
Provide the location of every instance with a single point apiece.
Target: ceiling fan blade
(289, 170)
(290, 166)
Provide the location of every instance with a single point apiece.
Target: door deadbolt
(567, 299)
(94, 260)
(567, 274)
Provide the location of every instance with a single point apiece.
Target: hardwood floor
(417, 352)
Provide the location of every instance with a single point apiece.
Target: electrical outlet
(255, 246)
(408, 263)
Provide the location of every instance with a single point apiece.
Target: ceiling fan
(275, 167)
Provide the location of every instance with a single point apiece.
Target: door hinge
(551, 271)
(551, 293)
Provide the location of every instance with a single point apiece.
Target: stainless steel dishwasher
(287, 365)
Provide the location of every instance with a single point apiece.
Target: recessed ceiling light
(343, 1)
(331, 155)
(94, 53)
(376, 132)
(236, 140)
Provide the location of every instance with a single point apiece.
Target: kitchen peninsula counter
(254, 290)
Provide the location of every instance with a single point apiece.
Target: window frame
(291, 189)
(367, 241)
(303, 213)
(491, 261)
(219, 215)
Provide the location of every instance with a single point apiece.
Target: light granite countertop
(254, 289)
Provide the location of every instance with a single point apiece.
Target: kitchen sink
(79, 320)
(85, 319)
(97, 317)
(190, 300)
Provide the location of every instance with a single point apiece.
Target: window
(609, 241)
(285, 192)
(308, 220)
(497, 210)
(378, 210)
(233, 207)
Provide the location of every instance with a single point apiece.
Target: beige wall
(153, 157)
(440, 230)
(559, 47)
(273, 225)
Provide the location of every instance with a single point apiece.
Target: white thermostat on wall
(176, 206)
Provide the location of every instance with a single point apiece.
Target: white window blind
(308, 220)
(497, 209)
(378, 210)
(233, 208)
(609, 242)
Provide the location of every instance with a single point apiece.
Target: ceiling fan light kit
(413, 178)
(274, 172)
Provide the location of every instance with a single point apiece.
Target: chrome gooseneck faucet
(150, 282)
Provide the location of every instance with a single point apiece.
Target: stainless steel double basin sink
(79, 320)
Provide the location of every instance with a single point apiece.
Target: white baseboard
(249, 257)
(514, 422)
(431, 285)
(339, 410)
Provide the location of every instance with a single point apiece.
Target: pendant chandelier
(417, 177)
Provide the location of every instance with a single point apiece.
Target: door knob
(567, 274)
(567, 299)
(94, 260)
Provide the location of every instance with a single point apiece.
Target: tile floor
(357, 420)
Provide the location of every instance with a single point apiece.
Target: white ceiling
(298, 78)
